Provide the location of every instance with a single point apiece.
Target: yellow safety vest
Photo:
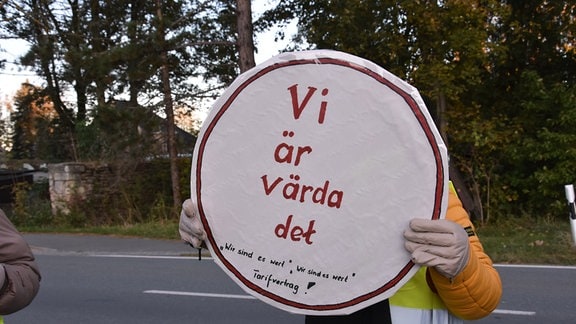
(417, 294)
(415, 302)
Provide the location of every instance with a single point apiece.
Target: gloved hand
(441, 244)
(190, 227)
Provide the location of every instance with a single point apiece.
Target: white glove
(441, 244)
(191, 228)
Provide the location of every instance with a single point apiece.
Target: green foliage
(476, 150)
(520, 162)
(547, 149)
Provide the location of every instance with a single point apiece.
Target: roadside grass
(512, 241)
(165, 230)
(529, 241)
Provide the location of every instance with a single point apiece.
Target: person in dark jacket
(19, 273)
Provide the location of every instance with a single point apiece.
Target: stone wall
(70, 183)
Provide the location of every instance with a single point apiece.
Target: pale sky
(12, 76)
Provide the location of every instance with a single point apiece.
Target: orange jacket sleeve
(476, 291)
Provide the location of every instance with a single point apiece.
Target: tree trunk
(169, 110)
(134, 79)
(469, 201)
(245, 35)
(441, 114)
(98, 46)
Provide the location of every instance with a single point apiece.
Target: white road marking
(535, 266)
(513, 312)
(186, 293)
(197, 294)
(135, 256)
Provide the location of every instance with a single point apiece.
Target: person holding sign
(457, 280)
(341, 153)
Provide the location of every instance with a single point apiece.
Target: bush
(31, 205)
(127, 195)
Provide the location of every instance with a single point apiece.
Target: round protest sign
(306, 173)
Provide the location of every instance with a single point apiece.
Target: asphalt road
(95, 279)
(535, 294)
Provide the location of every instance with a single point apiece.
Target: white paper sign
(306, 173)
